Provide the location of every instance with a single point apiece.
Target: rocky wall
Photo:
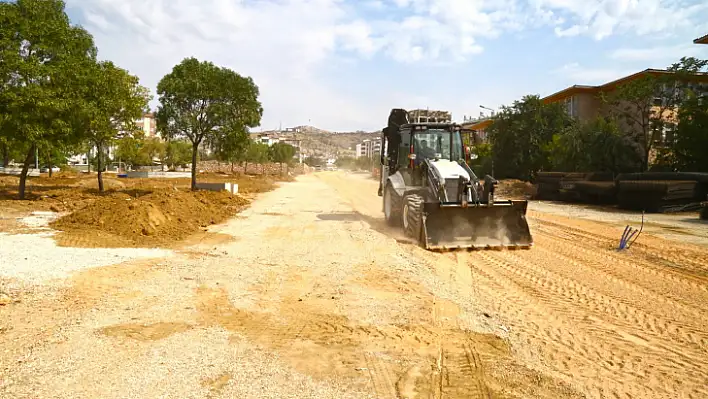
(269, 169)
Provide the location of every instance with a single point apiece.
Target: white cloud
(284, 44)
(602, 18)
(580, 75)
(661, 55)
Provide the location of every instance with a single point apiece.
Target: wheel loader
(429, 189)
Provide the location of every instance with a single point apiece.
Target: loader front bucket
(501, 225)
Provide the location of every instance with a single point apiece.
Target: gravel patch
(194, 364)
(39, 219)
(36, 258)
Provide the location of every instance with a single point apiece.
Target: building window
(571, 106)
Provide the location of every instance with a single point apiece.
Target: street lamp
(487, 108)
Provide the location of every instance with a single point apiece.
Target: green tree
(598, 145)
(282, 153)
(232, 146)
(645, 107)
(43, 57)
(152, 148)
(313, 161)
(520, 134)
(199, 100)
(690, 145)
(482, 165)
(52, 155)
(112, 101)
(178, 152)
(128, 150)
(256, 153)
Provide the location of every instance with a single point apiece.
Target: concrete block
(137, 175)
(18, 171)
(230, 187)
(160, 174)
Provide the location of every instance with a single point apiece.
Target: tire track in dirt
(676, 322)
(382, 378)
(334, 344)
(547, 333)
(566, 294)
(681, 319)
(633, 277)
(680, 262)
(582, 350)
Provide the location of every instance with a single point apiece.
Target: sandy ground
(681, 227)
(308, 294)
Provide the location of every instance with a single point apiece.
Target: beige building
(148, 125)
(368, 148)
(584, 102)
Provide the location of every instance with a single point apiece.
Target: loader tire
(393, 216)
(413, 216)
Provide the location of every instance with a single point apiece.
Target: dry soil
(313, 296)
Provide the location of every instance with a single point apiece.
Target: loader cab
(407, 148)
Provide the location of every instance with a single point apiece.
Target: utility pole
(36, 158)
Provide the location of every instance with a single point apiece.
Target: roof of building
(478, 125)
(702, 40)
(576, 89)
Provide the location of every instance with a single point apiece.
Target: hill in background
(322, 143)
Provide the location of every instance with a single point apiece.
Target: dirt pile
(514, 189)
(155, 219)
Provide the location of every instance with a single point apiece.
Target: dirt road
(308, 294)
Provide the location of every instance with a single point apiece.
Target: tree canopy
(43, 57)
(111, 102)
(520, 133)
(199, 100)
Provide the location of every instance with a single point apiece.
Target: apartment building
(368, 148)
(148, 125)
(267, 139)
(584, 103)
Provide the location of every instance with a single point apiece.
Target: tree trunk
(281, 168)
(245, 168)
(232, 167)
(25, 168)
(88, 160)
(195, 147)
(5, 155)
(99, 165)
(49, 162)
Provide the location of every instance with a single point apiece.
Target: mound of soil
(158, 218)
(514, 189)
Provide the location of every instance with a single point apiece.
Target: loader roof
(442, 125)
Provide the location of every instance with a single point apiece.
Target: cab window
(404, 149)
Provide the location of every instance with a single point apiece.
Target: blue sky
(342, 65)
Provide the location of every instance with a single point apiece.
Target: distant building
(267, 139)
(479, 126)
(148, 125)
(368, 148)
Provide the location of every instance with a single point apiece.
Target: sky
(342, 65)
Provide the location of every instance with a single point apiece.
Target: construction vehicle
(429, 189)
